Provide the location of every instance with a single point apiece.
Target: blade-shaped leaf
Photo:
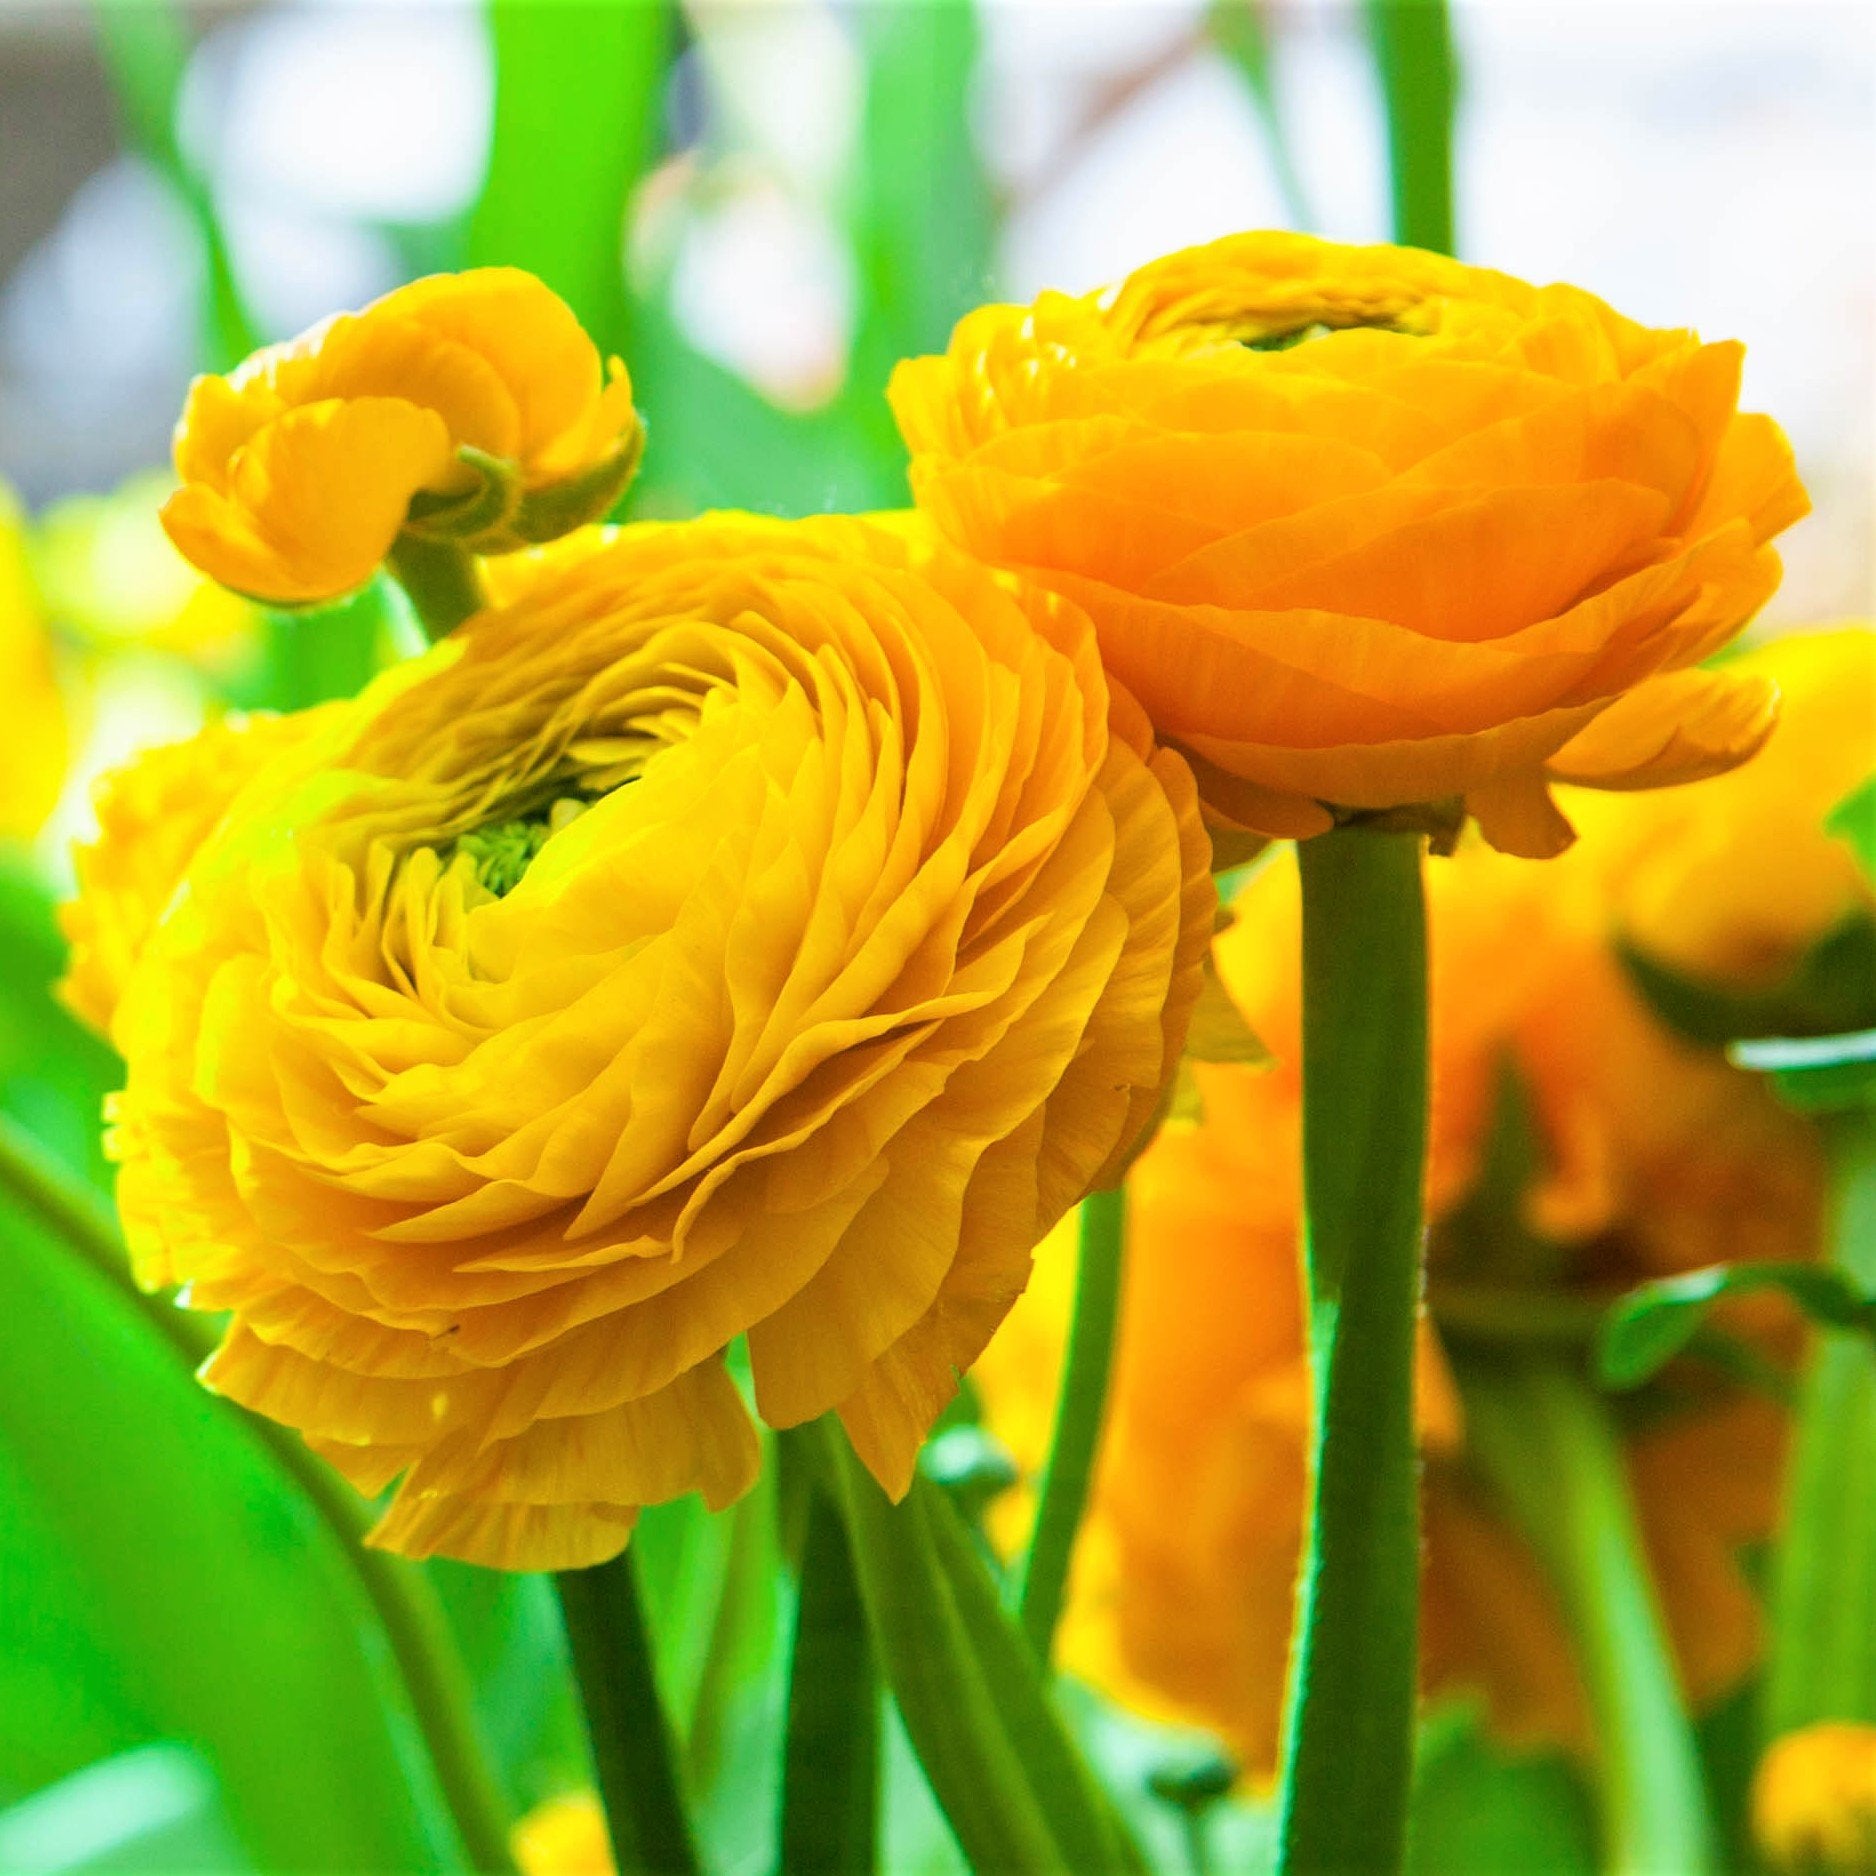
(1652, 1324)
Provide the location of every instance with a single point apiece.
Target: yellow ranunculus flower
(1652, 1157)
(749, 929)
(113, 577)
(35, 748)
(153, 817)
(566, 1836)
(1365, 529)
(468, 407)
(1734, 880)
(1814, 1801)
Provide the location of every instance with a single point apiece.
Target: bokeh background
(760, 204)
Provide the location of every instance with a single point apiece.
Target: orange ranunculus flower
(1651, 1157)
(1814, 1801)
(1366, 529)
(465, 407)
(36, 747)
(749, 929)
(566, 1836)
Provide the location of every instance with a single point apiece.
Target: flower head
(34, 751)
(1636, 1156)
(1814, 1801)
(750, 929)
(1368, 530)
(464, 407)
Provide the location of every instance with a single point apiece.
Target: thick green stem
(1348, 1756)
(830, 1784)
(442, 582)
(633, 1755)
(1550, 1448)
(1823, 1655)
(1079, 1414)
(1413, 51)
(399, 1593)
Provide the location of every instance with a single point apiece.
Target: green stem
(1413, 51)
(1547, 1442)
(1822, 1662)
(633, 1755)
(1348, 1755)
(442, 582)
(1079, 1413)
(399, 1593)
(830, 1783)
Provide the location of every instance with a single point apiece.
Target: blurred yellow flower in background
(1814, 1801)
(1367, 529)
(469, 406)
(566, 1836)
(1734, 880)
(1647, 1156)
(113, 578)
(35, 748)
(749, 929)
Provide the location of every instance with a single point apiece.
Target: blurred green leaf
(54, 1073)
(1412, 42)
(921, 222)
(1830, 990)
(164, 1581)
(1853, 820)
(152, 1809)
(579, 97)
(1241, 30)
(1822, 1656)
(146, 55)
(1481, 1811)
(1653, 1323)
(312, 655)
(507, 1625)
(1816, 1074)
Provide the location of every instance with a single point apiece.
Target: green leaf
(1831, 989)
(1240, 29)
(1816, 1074)
(1853, 820)
(154, 1808)
(507, 1626)
(1549, 1446)
(1017, 1793)
(1412, 43)
(830, 1790)
(1822, 1657)
(1481, 1811)
(1656, 1321)
(579, 97)
(54, 1073)
(146, 56)
(318, 653)
(165, 1582)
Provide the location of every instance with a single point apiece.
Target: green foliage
(1822, 1074)
(1656, 1321)
(1481, 1811)
(241, 1625)
(1853, 820)
(1832, 988)
(579, 98)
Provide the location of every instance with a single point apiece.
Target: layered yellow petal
(744, 929)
